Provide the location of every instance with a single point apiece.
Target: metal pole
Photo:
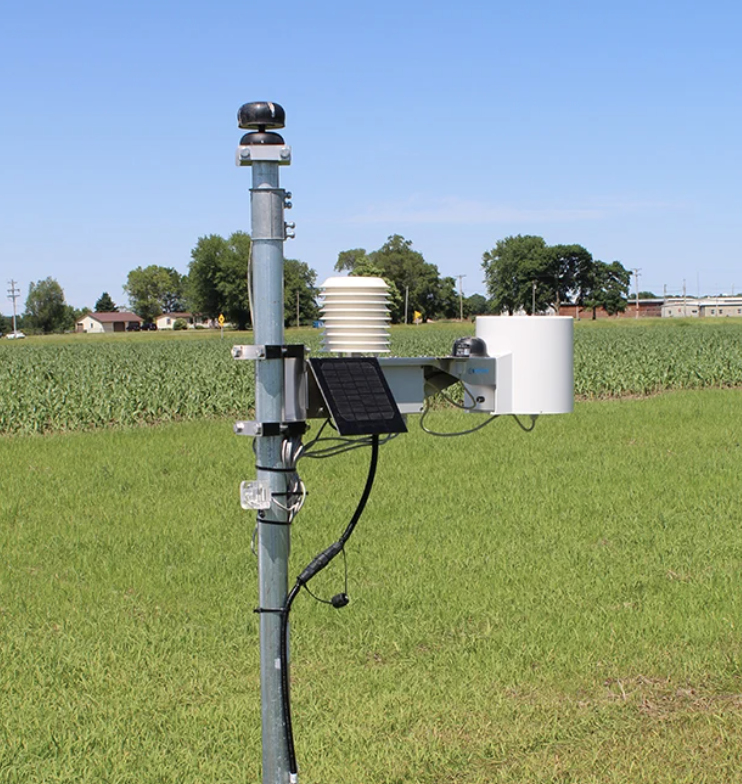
(406, 301)
(268, 233)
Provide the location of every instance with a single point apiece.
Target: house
(167, 321)
(99, 323)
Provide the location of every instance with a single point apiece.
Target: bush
(180, 324)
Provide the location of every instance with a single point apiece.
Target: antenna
(513, 366)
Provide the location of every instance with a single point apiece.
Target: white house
(108, 322)
(167, 320)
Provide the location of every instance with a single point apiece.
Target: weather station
(512, 366)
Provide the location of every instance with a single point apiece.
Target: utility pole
(406, 301)
(461, 297)
(265, 151)
(685, 301)
(297, 309)
(533, 298)
(637, 270)
(14, 293)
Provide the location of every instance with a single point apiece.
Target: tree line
(522, 274)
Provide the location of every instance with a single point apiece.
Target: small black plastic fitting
(340, 600)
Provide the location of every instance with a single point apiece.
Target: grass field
(561, 606)
(558, 606)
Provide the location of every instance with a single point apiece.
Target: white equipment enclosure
(534, 359)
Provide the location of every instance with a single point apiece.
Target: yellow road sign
(221, 320)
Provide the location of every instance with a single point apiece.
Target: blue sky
(616, 125)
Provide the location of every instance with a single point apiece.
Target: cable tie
(276, 470)
(261, 610)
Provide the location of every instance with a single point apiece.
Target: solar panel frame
(357, 395)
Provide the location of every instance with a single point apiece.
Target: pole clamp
(258, 351)
(290, 429)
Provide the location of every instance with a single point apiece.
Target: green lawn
(559, 606)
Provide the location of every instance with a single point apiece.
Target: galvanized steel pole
(265, 152)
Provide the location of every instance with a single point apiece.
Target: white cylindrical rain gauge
(355, 315)
(535, 369)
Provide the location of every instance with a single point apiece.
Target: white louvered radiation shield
(355, 315)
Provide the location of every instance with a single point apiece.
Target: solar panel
(357, 395)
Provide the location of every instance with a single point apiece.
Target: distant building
(167, 321)
(119, 321)
(702, 307)
(648, 308)
(681, 307)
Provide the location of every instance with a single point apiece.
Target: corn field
(82, 384)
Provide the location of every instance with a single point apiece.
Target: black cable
(526, 428)
(340, 445)
(451, 435)
(334, 599)
(316, 565)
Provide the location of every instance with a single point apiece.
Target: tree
(217, 281)
(366, 268)
(105, 304)
(217, 278)
(349, 259)
(46, 309)
(446, 300)
(74, 315)
(647, 295)
(406, 273)
(558, 278)
(607, 286)
(522, 272)
(475, 305)
(299, 281)
(154, 290)
(511, 268)
(411, 274)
